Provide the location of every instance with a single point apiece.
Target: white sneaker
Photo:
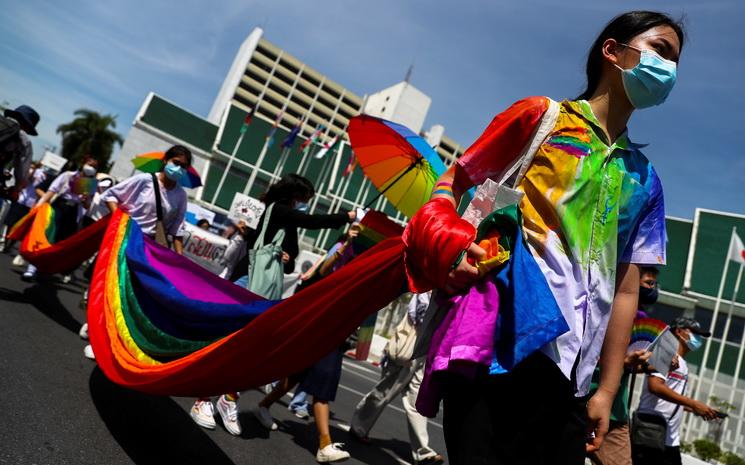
(302, 414)
(203, 414)
(332, 453)
(28, 276)
(228, 410)
(88, 352)
(83, 333)
(265, 418)
(18, 260)
(66, 279)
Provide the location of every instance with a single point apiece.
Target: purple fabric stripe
(193, 281)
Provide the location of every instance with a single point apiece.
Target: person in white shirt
(136, 197)
(665, 396)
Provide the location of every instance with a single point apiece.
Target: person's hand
(352, 215)
(241, 227)
(634, 360)
(703, 410)
(352, 233)
(464, 274)
(285, 257)
(598, 418)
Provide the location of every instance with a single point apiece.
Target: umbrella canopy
(152, 162)
(400, 164)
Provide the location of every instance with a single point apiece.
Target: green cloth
(619, 411)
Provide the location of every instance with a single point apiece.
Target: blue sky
(474, 58)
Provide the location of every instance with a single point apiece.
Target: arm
(286, 216)
(436, 238)
(178, 245)
(657, 386)
(45, 198)
(613, 353)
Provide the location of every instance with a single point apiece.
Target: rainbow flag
(375, 227)
(161, 324)
(644, 332)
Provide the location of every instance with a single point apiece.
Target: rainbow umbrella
(400, 164)
(152, 162)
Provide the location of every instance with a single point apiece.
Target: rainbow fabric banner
(36, 233)
(161, 324)
(644, 332)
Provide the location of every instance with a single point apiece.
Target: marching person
(592, 213)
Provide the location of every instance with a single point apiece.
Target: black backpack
(9, 129)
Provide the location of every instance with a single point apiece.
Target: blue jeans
(242, 281)
(299, 402)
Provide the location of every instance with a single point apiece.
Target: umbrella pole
(400, 176)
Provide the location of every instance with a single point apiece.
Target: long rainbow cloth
(163, 325)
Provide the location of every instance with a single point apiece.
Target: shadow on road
(152, 429)
(43, 296)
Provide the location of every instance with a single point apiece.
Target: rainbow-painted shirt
(588, 206)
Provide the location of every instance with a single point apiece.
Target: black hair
(175, 151)
(203, 221)
(287, 189)
(623, 28)
(649, 270)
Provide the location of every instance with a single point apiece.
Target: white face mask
(89, 170)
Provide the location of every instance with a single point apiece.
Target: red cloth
(434, 238)
(503, 140)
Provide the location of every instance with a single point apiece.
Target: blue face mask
(173, 171)
(694, 343)
(650, 82)
(301, 206)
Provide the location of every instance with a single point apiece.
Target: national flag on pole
(290, 139)
(273, 130)
(351, 165)
(736, 249)
(307, 144)
(326, 147)
(247, 121)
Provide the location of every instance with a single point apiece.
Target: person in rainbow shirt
(592, 214)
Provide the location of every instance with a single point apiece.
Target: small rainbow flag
(375, 227)
(644, 332)
(83, 185)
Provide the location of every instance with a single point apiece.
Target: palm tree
(89, 134)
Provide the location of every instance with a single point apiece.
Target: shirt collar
(583, 109)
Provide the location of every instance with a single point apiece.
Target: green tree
(90, 133)
(707, 450)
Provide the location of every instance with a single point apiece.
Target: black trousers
(528, 416)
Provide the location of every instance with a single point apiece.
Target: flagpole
(337, 162)
(712, 326)
(736, 378)
(227, 167)
(725, 334)
(257, 166)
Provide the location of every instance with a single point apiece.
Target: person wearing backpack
(590, 213)
(15, 147)
(286, 206)
(663, 397)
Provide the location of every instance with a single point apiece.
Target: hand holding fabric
(434, 239)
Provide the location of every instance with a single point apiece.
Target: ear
(611, 50)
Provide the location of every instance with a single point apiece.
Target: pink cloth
(463, 341)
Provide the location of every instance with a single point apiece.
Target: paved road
(58, 408)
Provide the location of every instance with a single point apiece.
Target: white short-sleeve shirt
(137, 198)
